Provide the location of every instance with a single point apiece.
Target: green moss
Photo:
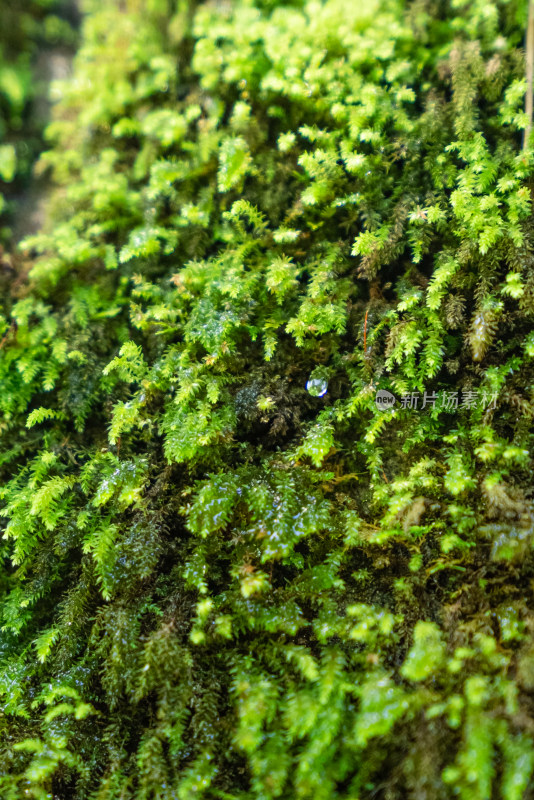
(227, 572)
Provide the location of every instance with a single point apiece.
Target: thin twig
(529, 73)
(12, 329)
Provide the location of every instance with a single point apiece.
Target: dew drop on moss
(317, 387)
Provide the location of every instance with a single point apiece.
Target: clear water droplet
(317, 387)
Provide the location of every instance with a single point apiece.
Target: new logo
(384, 399)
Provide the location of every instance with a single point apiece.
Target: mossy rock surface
(228, 571)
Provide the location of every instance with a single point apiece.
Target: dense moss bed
(228, 571)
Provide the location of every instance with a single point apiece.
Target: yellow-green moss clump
(227, 572)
